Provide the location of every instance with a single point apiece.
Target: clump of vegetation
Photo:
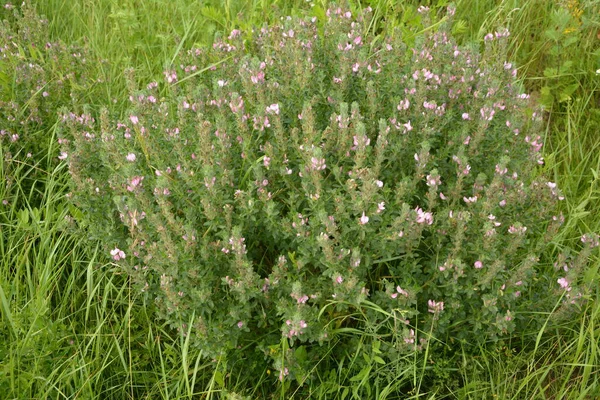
(275, 184)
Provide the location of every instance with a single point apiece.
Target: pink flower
(318, 164)
(117, 254)
(470, 199)
(433, 180)
(134, 119)
(404, 104)
(411, 338)
(401, 291)
(435, 307)
(339, 279)
(131, 157)
(240, 324)
(135, 182)
(273, 109)
(364, 219)
(478, 264)
(564, 283)
(424, 217)
(63, 156)
(302, 300)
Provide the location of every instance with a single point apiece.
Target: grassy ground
(70, 326)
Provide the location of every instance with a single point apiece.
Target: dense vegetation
(360, 201)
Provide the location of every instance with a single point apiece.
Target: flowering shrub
(272, 185)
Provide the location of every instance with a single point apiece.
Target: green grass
(70, 326)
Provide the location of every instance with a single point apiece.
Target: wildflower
(339, 279)
(424, 217)
(379, 184)
(380, 207)
(273, 109)
(134, 119)
(364, 219)
(63, 156)
(478, 264)
(285, 372)
(404, 104)
(318, 164)
(131, 157)
(435, 307)
(401, 291)
(592, 239)
(564, 283)
(135, 182)
(433, 181)
(517, 229)
(470, 199)
(302, 299)
(117, 254)
(411, 338)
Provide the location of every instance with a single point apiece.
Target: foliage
(73, 327)
(271, 187)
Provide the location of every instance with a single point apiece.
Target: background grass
(71, 328)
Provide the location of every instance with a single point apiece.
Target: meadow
(74, 323)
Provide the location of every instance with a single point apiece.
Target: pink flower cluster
(117, 254)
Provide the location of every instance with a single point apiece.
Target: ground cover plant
(364, 309)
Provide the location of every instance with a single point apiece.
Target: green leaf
(345, 393)
(376, 347)
(23, 217)
(567, 92)
(362, 374)
(550, 72)
(301, 355)
(460, 27)
(546, 97)
(379, 360)
(565, 67)
(218, 376)
(552, 34)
